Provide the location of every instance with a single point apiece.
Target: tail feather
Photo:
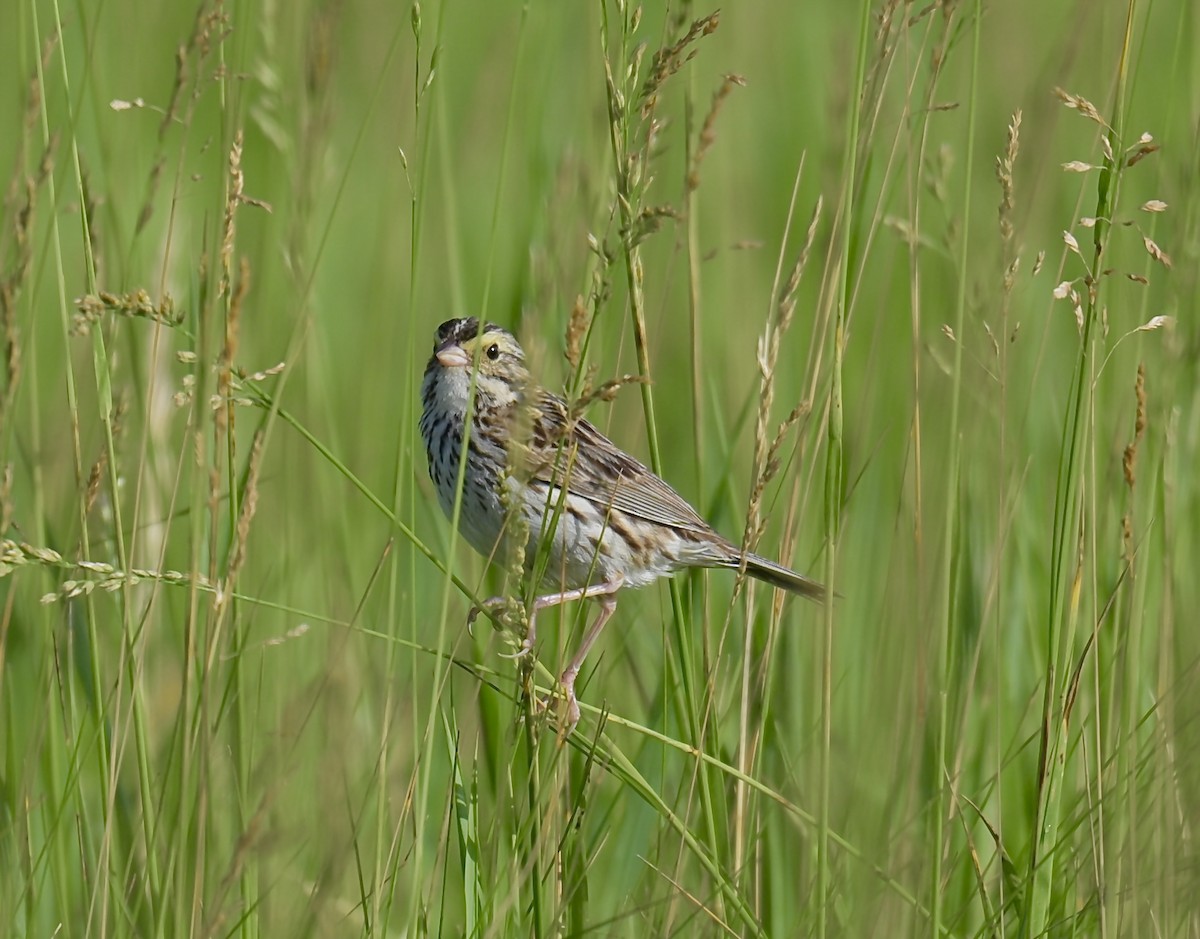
(783, 577)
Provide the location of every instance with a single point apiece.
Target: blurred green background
(279, 725)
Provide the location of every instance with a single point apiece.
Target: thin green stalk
(833, 463)
(63, 766)
(1067, 560)
(691, 215)
(422, 795)
(532, 846)
(950, 557)
(403, 570)
(620, 97)
(238, 680)
(108, 883)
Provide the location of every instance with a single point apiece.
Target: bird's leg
(608, 606)
(545, 602)
(556, 599)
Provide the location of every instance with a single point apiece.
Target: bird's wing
(578, 457)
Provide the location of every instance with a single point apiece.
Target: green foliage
(903, 295)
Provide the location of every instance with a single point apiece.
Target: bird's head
(459, 346)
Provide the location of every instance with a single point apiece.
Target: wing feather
(581, 459)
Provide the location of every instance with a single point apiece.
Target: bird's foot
(502, 610)
(567, 684)
(496, 608)
(526, 645)
(523, 650)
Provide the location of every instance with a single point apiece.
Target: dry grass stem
(767, 447)
(670, 59)
(135, 305)
(607, 391)
(17, 554)
(708, 133)
(1156, 252)
(249, 506)
(18, 181)
(577, 327)
(100, 466)
(224, 420)
(1142, 149)
(1082, 105)
(209, 28)
(13, 280)
(1004, 174)
(1129, 458)
(237, 185)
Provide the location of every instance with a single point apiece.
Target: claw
(487, 607)
(490, 606)
(524, 650)
(526, 643)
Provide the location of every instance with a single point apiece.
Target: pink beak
(452, 355)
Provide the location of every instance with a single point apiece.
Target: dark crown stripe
(464, 330)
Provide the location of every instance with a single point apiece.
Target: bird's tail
(783, 577)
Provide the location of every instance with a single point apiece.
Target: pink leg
(545, 602)
(608, 606)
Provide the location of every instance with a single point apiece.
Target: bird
(539, 476)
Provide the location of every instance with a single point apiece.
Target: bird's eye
(493, 352)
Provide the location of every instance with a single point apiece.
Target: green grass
(237, 695)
